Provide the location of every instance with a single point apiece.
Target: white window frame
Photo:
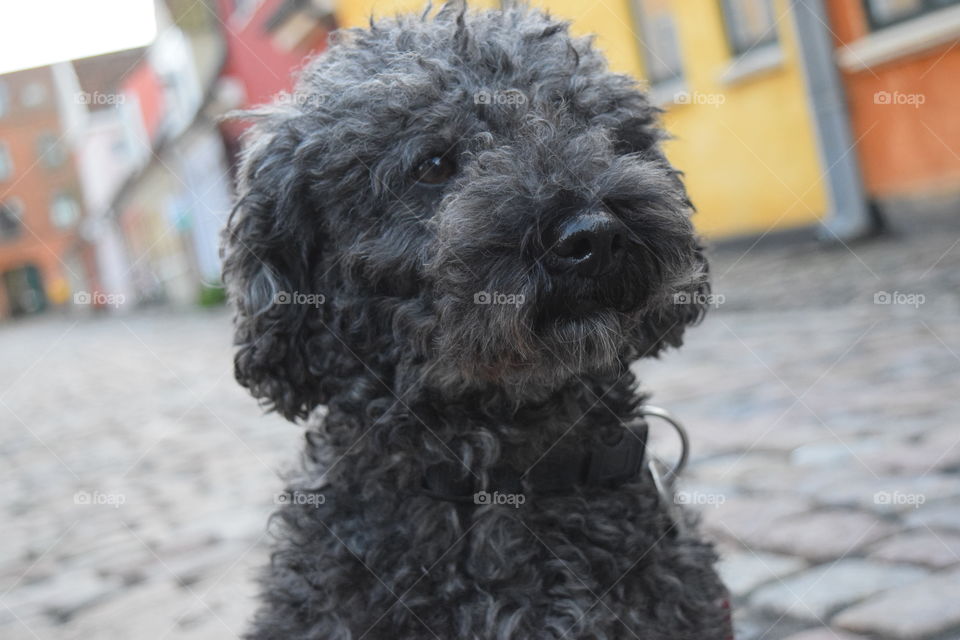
(6, 162)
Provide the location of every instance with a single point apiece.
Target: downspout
(848, 210)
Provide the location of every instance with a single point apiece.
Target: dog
(449, 243)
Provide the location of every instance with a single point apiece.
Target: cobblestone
(744, 571)
(61, 595)
(922, 546)
(818, 592)
(944, 515)
(822, 535)
(919, 610)
(823, 633)
(892, 494)
(142, 475)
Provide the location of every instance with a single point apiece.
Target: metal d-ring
(670, 476)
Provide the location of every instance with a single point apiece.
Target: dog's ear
(271, 244)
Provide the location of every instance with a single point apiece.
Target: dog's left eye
(435, 170)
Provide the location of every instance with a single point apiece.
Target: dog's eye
(435, 170)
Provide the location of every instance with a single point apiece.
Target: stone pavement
(137, 476)
(823, 400)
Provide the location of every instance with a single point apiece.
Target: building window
(657, 31)
(750, 24)
(4, 99)
(64, 211)
(50, 151)
(34, 95)
(11, 216)
(883, 13)
(243, 10)
(6, 162)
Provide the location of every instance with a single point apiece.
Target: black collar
(561, 471)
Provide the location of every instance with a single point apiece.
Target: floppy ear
(271, 249)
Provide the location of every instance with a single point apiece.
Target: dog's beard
(585, 342)
(531, 344)
(550, 330)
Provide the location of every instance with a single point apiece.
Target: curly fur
(413, 373)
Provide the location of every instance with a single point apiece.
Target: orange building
(900, 63)
(43, 257)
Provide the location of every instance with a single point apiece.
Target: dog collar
(562, 470)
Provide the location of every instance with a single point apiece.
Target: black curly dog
(456, 235)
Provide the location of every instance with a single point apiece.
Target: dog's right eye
(435, 170)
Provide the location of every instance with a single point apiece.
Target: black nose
(589, 243)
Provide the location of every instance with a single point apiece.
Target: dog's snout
(589, 243)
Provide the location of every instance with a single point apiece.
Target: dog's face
(466, 200)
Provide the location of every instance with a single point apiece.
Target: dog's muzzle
(587, 257)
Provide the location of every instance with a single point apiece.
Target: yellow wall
(356, 13)
(751, 162)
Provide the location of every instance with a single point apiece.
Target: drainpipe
(849, 213)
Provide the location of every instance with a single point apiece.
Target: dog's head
(467, 199)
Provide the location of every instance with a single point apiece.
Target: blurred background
(821, 145)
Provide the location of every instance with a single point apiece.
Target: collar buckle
(620, 462)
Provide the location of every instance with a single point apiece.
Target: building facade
(900, 63)
(178, 187)
(43, 254)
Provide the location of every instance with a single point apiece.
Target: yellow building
(728, 74)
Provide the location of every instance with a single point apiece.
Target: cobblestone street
(822, 396)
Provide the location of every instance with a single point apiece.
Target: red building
(267, 43)
(43, 257)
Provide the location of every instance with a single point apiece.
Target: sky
(40, 32)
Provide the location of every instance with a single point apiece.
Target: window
(11, 214)
(34, 95)
(883, 13)
(4, 99)
(243, 10)
(64, 211)
(50, 151)
(657, 32)
(6, 162)
(750, 24)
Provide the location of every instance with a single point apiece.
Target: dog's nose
(588, 243)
